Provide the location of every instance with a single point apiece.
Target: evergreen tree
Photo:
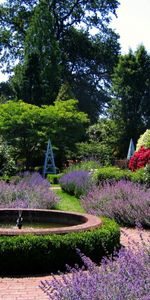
(65, 92)
(131, 86)
(51, 51)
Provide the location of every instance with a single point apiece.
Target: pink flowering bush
(140, 159)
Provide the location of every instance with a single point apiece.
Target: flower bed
(125, 201)
(126, 277)
(31, 191)
(76, 182)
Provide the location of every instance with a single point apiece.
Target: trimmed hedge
(39, 254)
(115, 173)
(53, 178)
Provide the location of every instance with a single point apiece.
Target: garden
(70, 87)
(87, 261)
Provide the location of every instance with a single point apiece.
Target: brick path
(27, 288)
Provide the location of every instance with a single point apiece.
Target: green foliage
(20, 124)
(131, 87)
(103, 142)
(7, 162)
(65, 92)
(43, 35)
(6, 92)
(137, 176)
(27, 127)
(53, 178)
(95, 150)
(86, 165)
(110, 173)
(97, 55)
(66, 127)
(16, 18)
(39, 254)
(147, 174)
(115, 173)
(68, 202)
(144, 140)
(38, 78)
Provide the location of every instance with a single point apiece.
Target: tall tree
(15, 17)
(131, 86)
(38, 79)
(43, 33)
(88, 62)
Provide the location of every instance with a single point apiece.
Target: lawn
(68, 202)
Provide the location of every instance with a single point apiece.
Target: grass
(68, 202)
(56, 185)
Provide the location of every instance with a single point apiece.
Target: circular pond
(42, 222)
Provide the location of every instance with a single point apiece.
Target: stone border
(76, 221)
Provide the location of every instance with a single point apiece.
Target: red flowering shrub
(140, 159)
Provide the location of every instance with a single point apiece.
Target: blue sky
(132, 24)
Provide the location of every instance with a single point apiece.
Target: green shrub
(7, 162)
(53, 178)
(15, 179)
(110, 173)
(87, 165)
(116, 174)
(147, 174)
(39, 254)
(144, 140)
(137, 176)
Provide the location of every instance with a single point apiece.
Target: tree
(38, 79)
(87, 65)
(20, 125)
(65, 92)
(102, 142)
(52, 51)
(7, 162)
(131, 87)
(15, 17)
(6, 92)
(66, 126)
(27, 128)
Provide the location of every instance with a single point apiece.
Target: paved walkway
(27, 288)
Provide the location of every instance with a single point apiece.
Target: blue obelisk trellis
(131, 149)
(49, 163)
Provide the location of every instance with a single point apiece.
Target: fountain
(48, 247)
(43, 221)
(19, 220)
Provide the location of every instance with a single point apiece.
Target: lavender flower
(125, 201)
(123, 278)
(77, 182)
(32, 191)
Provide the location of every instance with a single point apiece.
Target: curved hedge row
(38, 254)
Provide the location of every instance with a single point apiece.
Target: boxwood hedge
(40, 254)
(115, 174)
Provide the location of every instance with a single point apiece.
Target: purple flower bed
(76, 182)
(125, 201)
(32, 191)
(126, 277)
